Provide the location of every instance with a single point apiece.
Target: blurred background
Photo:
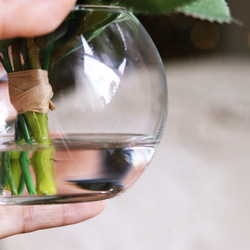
(179, 36)
(195, 193)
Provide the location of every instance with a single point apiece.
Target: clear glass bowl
(110, 94)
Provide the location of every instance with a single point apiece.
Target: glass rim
(100, 7)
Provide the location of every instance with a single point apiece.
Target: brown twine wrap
(30, 90)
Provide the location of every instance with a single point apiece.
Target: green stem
(93, 24)
(16, 47)
(6, 60)
(42, 164)
(6, 164)
(3, 175)
(24, 163)
(47, 51)
(25, 129)
(96, 29)
(30, 123)
(23, 159)
(38, 126)
(15, 169)
(68, 44)
(18, 131)
(42, 159)
(21, 185)
(34, 53)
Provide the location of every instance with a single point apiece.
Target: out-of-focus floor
(195, 194)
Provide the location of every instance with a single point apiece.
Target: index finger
(19, 18)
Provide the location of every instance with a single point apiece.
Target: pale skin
(31, 18)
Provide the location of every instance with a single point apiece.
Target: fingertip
(23, 219)
(32, 18)
(78, 212)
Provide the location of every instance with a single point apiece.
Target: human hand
(22, 219)
(31, 18)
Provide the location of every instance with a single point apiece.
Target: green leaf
(153, 6)
(211, 10)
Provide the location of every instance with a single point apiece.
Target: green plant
(212, 10)
(35, 55)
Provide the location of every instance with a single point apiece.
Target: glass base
(58, 199)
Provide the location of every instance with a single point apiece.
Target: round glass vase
(110, 99)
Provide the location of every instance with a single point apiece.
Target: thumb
(19, 18)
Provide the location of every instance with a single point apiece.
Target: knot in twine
(30, 90)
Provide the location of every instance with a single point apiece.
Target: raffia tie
(30, 90)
